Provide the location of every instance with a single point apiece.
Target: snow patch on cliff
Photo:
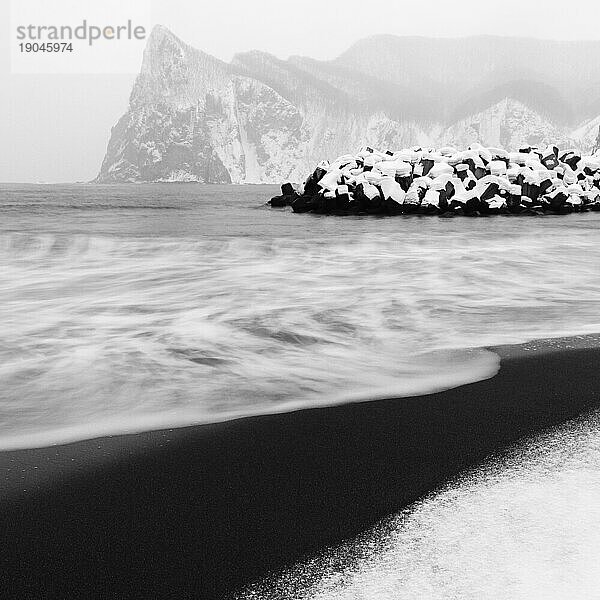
(193, 117)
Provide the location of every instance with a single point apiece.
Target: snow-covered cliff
(258, 119)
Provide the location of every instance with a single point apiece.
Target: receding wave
(105, 334)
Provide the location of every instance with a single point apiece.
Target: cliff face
(258, 119)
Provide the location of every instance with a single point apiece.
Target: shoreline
(153, 423)
(200, 511)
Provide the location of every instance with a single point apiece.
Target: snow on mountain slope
(588, 133)
(507, 124)
(260, 119)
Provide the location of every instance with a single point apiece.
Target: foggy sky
(56, 127)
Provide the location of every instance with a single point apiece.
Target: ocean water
(131, 307)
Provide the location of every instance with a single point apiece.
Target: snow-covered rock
(259, 119)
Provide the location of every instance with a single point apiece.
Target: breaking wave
(116, 329)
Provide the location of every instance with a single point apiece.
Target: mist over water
(132, 307)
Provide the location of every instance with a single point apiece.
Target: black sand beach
(200, 511)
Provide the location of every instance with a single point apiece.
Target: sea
(141, 306)
(133, 307)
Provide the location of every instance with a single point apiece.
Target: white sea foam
(126, 308)
(103, 330)
(526, 527)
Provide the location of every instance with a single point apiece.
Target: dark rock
(404, 181)
(427, 165)
(555, 203)
(303, 204)
(429, 210)
(377, 206)
(312, 183)
(278, 201)
(410, 208)
(472, 205)
(287, 198)
(444, 198)
(545, 185)
(362, 201)
(287, 189)
(480, 172)
(342, 198)
(490, 191)
(392, 207)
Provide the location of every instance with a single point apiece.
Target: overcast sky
(55, 127)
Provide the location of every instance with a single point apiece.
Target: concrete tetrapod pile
(478, 181)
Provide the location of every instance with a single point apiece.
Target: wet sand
(200, 511)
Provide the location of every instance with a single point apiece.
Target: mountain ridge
(262, 119)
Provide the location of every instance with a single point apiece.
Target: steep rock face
(162, 143)
(260, 119)
(194, 118)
